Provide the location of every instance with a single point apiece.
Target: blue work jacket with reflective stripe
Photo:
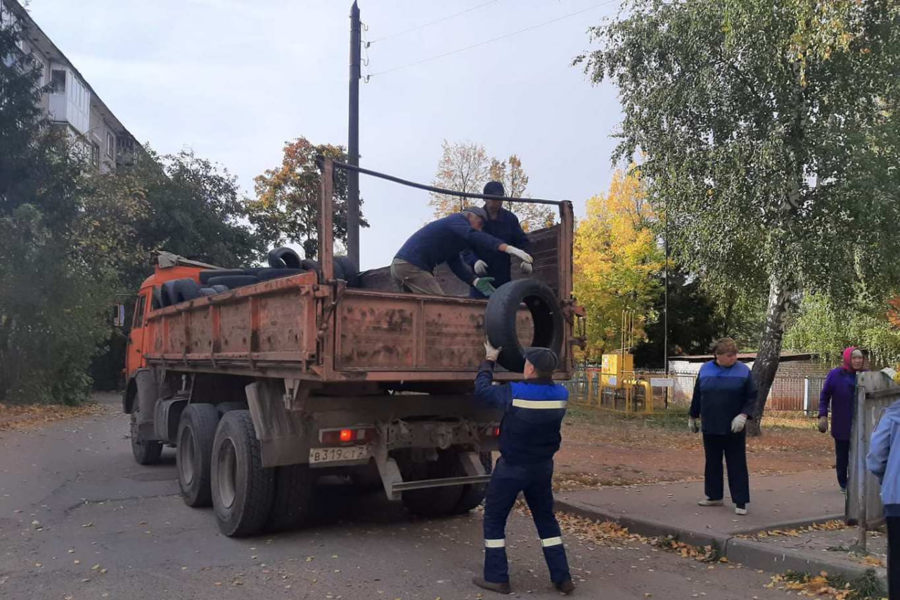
(532, 418)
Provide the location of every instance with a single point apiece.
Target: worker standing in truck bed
(503, 225)
(529, 437)
(443, 241)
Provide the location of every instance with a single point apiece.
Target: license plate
(321, 455)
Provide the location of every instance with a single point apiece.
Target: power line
(490, 41)
(430, 23)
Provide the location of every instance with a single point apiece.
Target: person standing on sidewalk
(724, 398)
(883, 461)
(839, 390)
(533, 412)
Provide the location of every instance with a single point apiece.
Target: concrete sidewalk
(778, 502)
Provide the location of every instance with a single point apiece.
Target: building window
(110, 145)
(58, 81)
(95, 155)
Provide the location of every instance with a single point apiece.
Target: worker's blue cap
(543, 359)
(477, 211)
(493, 188)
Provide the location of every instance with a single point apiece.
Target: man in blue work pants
(529, 437)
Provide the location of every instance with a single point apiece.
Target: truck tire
(179, 290)
(473, 495)
(284, 257)
(146, 452)
(431, 502)
(232, 281)
(266, 274)
(219, 289)
(292, 503)
(205, 276)
(193, 453)
(500, 320)
(346, 270)
(241, 488)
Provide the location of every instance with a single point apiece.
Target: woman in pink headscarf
(839, 391)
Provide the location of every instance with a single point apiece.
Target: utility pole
(353, 139)
(666, 302)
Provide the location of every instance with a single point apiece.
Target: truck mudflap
(394, 485)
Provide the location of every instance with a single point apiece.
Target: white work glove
(693, 425)
(526, 268)
(481, 267)
(524, 256)
(491, 353)
(737, 423)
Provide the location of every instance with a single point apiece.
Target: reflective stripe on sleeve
(539, 404)
(501, 543)
(554, 541)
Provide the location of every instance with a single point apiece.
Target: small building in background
(70, 102)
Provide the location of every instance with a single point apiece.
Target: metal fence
(789, 393)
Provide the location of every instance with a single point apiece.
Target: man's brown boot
(500, 588)
(566, 587)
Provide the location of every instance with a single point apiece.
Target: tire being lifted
(500, 320)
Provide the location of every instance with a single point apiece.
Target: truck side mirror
(119, 315)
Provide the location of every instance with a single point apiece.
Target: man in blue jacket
(529, 437)
(883, 461)
(443, 241)
(503, 225)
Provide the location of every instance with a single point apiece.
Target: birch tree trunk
(766, 364)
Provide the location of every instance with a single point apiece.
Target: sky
(234, 80)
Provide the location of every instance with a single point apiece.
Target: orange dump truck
(264, 385)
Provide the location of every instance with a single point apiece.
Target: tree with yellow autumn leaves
(617, 260)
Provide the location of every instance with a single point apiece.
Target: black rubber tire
(284, 257)
(431, 502)
(219, 289)
(308, 264)
(292, 503)
(146, 452)
(193, 454)
(266, 274)
(206, 291)
(205, 276)
(473, 494)
(242, 489)
(347, 270)
(233, 281)
(500, 320)
(180, 290)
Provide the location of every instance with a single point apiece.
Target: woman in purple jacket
(839, 390)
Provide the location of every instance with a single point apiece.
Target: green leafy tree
(286, 208)
(822, 327)
(768, 132)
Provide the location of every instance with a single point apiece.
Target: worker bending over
(443, 241)
(529, 437)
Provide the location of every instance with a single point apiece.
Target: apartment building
(70, 102)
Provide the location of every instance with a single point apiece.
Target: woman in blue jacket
(838, 391)
(724, 398)
(884, 463)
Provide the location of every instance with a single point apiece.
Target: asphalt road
(80, 520)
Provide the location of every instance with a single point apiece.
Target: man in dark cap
(529, 437)
(503, 225)
(443, 241)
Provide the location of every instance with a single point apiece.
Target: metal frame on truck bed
(274, 383)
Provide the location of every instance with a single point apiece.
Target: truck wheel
(280, 258)
(232, 281)
(193, 453)
(346, 270)
(473, 495)
(146, 452)
(500, 320)
(241, 487)
(293, 498)
(431, 502)
(205, 276)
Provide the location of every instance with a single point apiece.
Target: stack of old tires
(283, 262)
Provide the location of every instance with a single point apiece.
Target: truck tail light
(492, 431)
(349, 435)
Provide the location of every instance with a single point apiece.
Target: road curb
(749, 553)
